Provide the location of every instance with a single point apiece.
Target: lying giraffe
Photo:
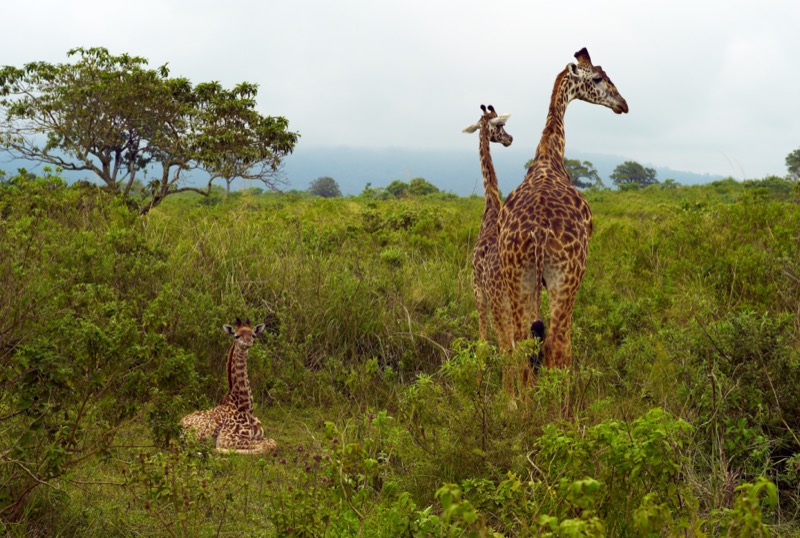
(545, 223)
(486, 283)
(232, 424)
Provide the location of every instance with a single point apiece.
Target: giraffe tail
(539, 237)
(537, 332)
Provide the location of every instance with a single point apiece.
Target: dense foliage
(678, 417)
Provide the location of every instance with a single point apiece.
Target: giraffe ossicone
(232, 424)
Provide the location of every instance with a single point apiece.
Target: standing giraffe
(486, 283)
(232, 424)
(545, 223)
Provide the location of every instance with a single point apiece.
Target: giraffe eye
(597, 80)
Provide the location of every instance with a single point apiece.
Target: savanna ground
(679, 416)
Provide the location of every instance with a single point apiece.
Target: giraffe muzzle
(621, 107)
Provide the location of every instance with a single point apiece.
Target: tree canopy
(793, 165)
(397, 188)
(325, 187)
(631, 174)
(419, 186)
(581, 174)
(120, 120)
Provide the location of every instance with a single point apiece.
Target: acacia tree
(579, 172)
(234, 140)
(325, 187)
(793, 165)
(583, 174)
(120, 120)
(631, 174)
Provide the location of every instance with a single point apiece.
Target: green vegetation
(678, 418)
(419, 186)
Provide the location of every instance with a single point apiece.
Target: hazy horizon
(456, 170)
(711, 85)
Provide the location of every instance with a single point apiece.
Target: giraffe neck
(550, 152)
(239, 392)
(491, 208)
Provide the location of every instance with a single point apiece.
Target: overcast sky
(712, 86)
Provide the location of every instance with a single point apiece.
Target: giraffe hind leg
(243, 439)
(557, 346)
(200, 424)
(483, 315)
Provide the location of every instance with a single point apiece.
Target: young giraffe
(232, 424)
(489, 292)
(545, 223)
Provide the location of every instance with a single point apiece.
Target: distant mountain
(456, 171)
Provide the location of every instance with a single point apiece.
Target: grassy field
(679, 416)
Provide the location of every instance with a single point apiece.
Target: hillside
(678, 416)
(452, 171)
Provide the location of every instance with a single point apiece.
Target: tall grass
(679, 415)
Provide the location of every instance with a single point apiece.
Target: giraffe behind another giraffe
(232, 424)
(486, 283)
(545, 223)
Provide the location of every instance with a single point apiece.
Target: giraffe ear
(500, 120)
(228, 329)
(258, 330)
(471, 128)
(573, 70)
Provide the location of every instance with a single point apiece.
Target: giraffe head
(244, 335)
(591, 84)
(495, 125)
